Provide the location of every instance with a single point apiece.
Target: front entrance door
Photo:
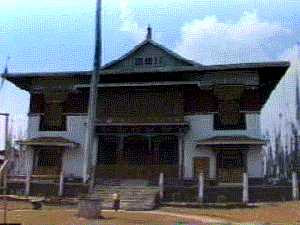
(230, 166)
(47, 161)
(201, 165)
(136, 157)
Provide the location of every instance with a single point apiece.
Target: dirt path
(202, 219)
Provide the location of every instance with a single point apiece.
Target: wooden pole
(5, 169)
(90, 134)
(200, 187)
(245, 189)
(161, 186)
(295, 186)
(61, 184)
(5, 197)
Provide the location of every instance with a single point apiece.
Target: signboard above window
(154, 61)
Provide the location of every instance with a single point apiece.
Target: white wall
(72, 158)
(255, 162)
(201, 127)
(280, 114)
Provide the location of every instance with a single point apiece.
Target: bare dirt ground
(69, 217)
(21, 212)
(272, 213)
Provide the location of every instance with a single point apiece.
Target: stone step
(131, 197)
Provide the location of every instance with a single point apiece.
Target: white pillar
(27, 184)
(245, 188)
(61, 183)
(161, 186)
(28, 172)
(295, 187)
(200, 187)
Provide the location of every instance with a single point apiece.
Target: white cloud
(128, 23)
(292, 54)
(210, 41)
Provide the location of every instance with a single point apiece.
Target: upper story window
(53, 119)
(148, 61)
(229, 116)
(234, 123)
(139, 61)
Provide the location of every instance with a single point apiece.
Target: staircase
(134, 195)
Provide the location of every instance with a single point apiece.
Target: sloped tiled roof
(48, 141)
(153, 43)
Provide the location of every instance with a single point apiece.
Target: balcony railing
(135, 171)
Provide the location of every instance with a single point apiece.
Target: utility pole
(5, 169)
(90, 132)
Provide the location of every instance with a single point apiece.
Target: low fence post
(200, 187)
(161, 186)
(295, 187)
(245, 188)
(27, 183)
(61, 184)
(5, 182)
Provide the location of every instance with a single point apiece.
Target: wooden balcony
(126, 171)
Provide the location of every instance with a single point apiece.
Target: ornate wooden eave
(230, 140)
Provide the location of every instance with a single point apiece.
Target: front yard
(69, 217)
(271, 213)
(21, 212)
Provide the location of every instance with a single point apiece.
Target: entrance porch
(229, 158)
(140, 151)
(44, 156)
(137, 157)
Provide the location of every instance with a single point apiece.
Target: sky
(58, 35)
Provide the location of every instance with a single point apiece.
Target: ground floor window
(47, 160)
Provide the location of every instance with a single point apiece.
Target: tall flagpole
(90, 131)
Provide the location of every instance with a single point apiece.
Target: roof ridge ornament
(149, 33)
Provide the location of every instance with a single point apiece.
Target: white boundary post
(161, 186)
(295, 187)
(245, 188)
(27, 184)
(28, 174)
(61, 184)
(200, 187)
